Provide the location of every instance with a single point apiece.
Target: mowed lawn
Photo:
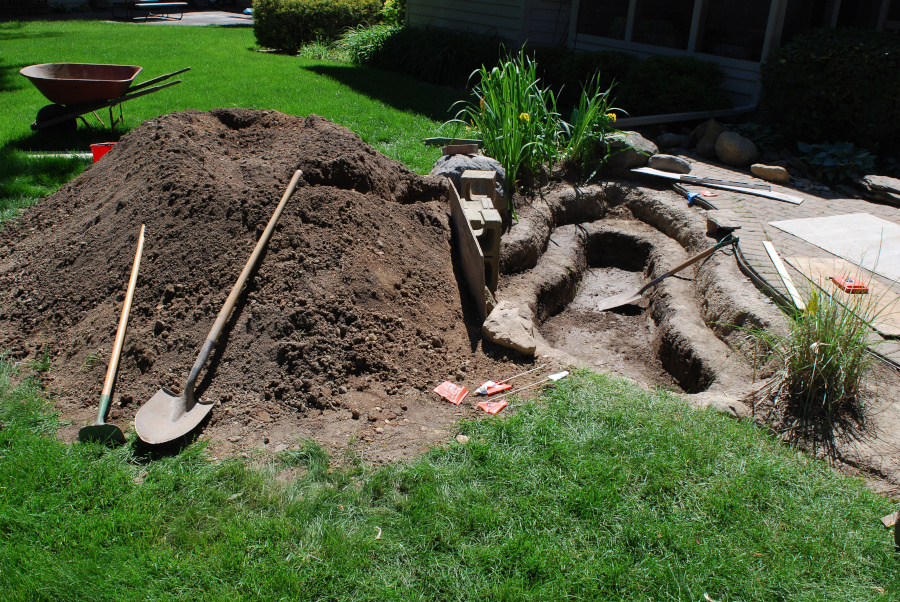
(597, 491)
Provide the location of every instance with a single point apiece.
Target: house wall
(498, 17)
(741, 77)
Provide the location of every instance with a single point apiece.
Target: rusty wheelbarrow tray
(80, 88)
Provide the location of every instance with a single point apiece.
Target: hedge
(289, 24)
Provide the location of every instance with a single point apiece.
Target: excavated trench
(574, 247)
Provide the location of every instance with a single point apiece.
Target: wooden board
(881, 303)
(769, 194)
(785, 276)
(469, 252)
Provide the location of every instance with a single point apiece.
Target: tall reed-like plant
(821, 362)
(591, 128)
(515, 117)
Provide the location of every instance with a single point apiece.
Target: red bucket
(100, 149)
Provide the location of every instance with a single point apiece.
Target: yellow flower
(524, 117)
(612, 117)
(481, 104)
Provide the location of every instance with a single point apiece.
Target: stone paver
(755, 213)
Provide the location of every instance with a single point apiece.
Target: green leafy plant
(820, 363)
(588, 133)
(838, 162)
(364, 42)
(289, 24)
(515, 117)
(836, 83)
(394, 12)
(763, 136)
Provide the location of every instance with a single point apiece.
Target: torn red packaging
(490, 388)
(849, 284)
(492, 407)
(451, 392)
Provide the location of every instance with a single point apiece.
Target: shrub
(289, 24)
(673, 84)
(838, 162)
(364, 43)
(430, 54)
(839, 84)
(568, 72)
(394, 12)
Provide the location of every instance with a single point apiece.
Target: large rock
(706, 134)
(669, 163)
(733, 149)
(771, 173)
(632, 151)
(453, 166)
(668, 140)
(507, 326)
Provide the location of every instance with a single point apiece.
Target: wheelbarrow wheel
(67, 127)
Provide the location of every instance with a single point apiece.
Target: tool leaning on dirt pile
(168, 416)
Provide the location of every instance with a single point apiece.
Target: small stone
(355, 413)
(234, 438)
(669, 163)
(169, 293)
(462, 439)
(770, 173)
(706, 134)
(436, 341)
(379, 430)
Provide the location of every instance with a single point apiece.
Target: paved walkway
(755, 213)
(191, 17)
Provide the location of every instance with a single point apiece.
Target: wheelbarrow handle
(150, 82)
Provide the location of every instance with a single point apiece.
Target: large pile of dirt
(356, 300)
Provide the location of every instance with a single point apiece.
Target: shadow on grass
(398, 91)
(10, 79)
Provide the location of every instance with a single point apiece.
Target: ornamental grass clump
(591, 128)
(515, 117)
(820, 366)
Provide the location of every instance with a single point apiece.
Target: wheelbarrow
(77, 89)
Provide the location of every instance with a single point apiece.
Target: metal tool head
(626, 298)
(167, 416)
(102, 432)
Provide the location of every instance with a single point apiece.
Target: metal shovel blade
(162, 419)
(102, 432)
(626, 298)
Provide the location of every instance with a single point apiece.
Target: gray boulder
(733, 149)
(771, 173)
(706, 135)
(668, 140)
(669, 163)
(507, 326)
(632, 151)
(453, 166)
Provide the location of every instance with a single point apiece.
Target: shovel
(634, 296)
(168, 416)
(100, 431)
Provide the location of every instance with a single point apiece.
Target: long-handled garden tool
(100, 430)
(634, 296)
(168, 416)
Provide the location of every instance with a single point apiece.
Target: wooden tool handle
(681, 266)
(225, 312)
(120, 334)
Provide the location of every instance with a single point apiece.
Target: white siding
(741, 77)
(547, 22)
(500, 17)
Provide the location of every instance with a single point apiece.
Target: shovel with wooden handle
(101, 431)
(168, 416)
(634, 296)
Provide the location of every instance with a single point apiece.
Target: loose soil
(356, 312)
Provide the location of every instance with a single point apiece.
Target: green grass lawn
(391, 112)
(600, 491)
